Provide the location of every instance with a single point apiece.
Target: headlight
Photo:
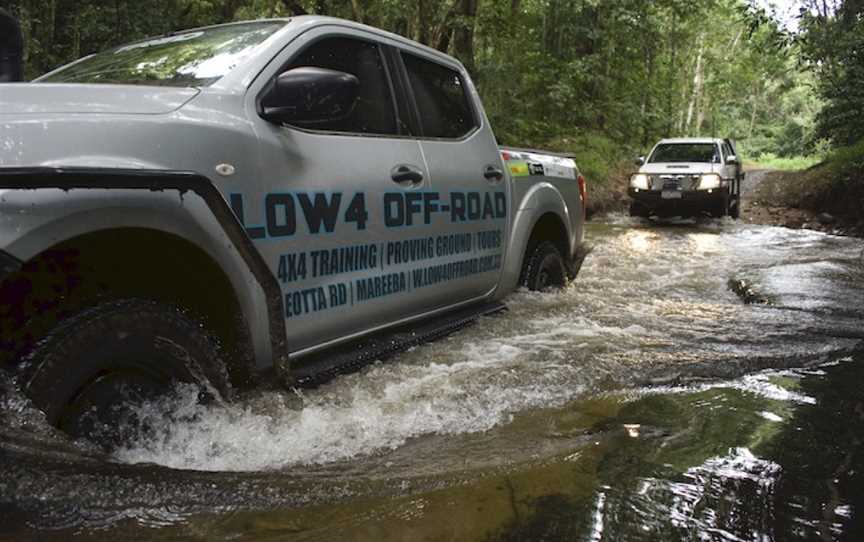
(709, 182)
(640, 181)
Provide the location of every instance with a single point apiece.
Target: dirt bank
(780, 199)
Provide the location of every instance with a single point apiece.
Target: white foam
(354, 417)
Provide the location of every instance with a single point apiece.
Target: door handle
(493, 173)
(406, 174)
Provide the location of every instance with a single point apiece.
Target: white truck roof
(691, 140)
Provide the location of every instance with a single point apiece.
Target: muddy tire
(544, 268)
(735, 208)
(88, 372)
(637, 210)
(721, 209)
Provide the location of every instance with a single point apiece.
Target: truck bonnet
(680, 168)
(52, 98)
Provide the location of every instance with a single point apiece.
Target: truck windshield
(186, 59)
(685, 152)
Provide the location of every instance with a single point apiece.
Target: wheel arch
(119, 263)
(532, 225)
(160, 210)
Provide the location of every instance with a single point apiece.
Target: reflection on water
(646, 402)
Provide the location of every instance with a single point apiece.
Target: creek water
(647, 401)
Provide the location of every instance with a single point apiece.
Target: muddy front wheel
(735, 207)
(544, 268)
(90, 373)
(637, 210)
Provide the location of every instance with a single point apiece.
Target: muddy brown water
(645, 402)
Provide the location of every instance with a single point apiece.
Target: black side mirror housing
(307, 96)
(640, 161)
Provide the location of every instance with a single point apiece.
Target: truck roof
(238, 77)
(313, 20)
(691, 140)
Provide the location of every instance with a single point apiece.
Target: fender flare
(35, 178)
(540, 200)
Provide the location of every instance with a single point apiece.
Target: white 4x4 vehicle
(688, 177)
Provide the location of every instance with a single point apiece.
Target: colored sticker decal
(555, 166)
(519, 169)
(556, 170)
(535, 169)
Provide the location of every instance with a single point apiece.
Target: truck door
(319, 209)
(466, 176)
(730, 150)
(728, 171)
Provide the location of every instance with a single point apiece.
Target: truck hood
(49, 98)
(679, 168)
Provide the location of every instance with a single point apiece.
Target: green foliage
(845, 164)
(596, 154)
(772, 161)
(832, 42)
(59, 31)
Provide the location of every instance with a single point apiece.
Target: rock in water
(825, 218)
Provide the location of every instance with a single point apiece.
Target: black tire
(88, 371)
(544, 268)
(638, 210)
(735, 208)
(721, 209)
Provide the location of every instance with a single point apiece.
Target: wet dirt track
(647, 401)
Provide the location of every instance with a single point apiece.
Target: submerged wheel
(89, 373)
(638, 210)
(735, 207)
(544, 268)
(721, 208)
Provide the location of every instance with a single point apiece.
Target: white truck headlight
(709, 181)
(639, 181)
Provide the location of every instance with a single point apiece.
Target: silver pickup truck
(277, 200)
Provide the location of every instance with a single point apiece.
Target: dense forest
(601, 78)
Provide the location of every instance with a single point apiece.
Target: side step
(318, 368)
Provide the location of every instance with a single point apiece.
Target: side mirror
(640, 161)
(309, 96)
(731, 159)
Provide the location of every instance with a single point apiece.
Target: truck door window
(375, 109)
(442, 98)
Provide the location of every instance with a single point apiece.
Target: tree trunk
(704, 102)
(294, 7)
(670, 93)
(357, 12)
(753, 104)
(443, 32)
(422, 30)
(463, 35)
(646, 96)
(697, 86)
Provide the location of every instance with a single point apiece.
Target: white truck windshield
(685, 152)
(193, 58)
